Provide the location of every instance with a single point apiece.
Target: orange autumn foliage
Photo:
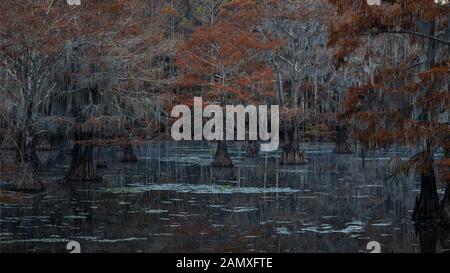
(223, 61)
(407, 100)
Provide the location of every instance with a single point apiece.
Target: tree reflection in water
(172, 200)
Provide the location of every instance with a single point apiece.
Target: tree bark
(444, 210)
(253, 147)
(101, 164)
(444, 239)
(82, 167)
(342, 143)
(128, 154)
(363, 156)
(428, 238)
(222, 158)
(427, 203)
(291, 153)
(27, 178)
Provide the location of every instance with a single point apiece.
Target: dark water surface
(173, 201)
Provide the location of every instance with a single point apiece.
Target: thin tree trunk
(280, 88)
(432, 44)
(363, 156)
(296, 93)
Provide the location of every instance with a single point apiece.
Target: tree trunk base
(83, 173)
(27, 179)
(342, 145)
(253, 147)
(292, 155)
(427, 203)
(222, 159)
(102, 165)
(292, 158)
(82, 167)
(444, 210)
(224, 174)
(428, 237)
(129, 158)
(128, 154)
(342, 148)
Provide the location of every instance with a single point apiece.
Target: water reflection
(171, 200)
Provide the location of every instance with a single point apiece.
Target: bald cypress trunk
(101, 164)
(82, 167)
(128, 154)
(291, 153)
(222, 158)
(428, 238)
(27, 178)
(342, 143)
(427, 203)
(444, 210)
(253, 147)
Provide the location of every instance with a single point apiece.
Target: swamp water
(171, 200)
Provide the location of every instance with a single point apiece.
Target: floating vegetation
(155, 211)
(326, 229)
(119, 240)
(381, 224)
(35, 240)
(240, 209)
(192, 188)
(165, 203)
(282, 231)
(75, 217)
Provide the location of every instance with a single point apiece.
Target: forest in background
(109, 72)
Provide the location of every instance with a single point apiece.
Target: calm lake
(173, 201)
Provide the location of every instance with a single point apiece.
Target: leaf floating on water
(240, 209)
(75, 217)
(155, 211)
(381, 224)
(282, 231)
